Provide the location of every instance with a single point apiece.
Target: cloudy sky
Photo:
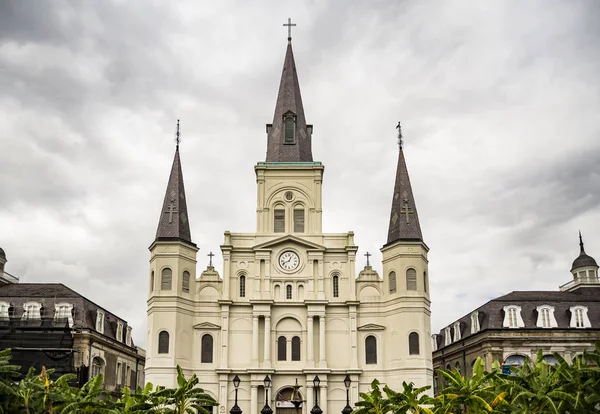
(499, 102)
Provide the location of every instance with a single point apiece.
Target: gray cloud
(499, 104)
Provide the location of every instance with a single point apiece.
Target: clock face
(289, 260)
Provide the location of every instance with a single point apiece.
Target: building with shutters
(515, 326)
(51, 325)
(290, 302)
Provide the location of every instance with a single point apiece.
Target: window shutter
(281, 348)
(392, 281)
(371, 350)
(336, 286)
(163, 342)
(242, 286)
(299, 221)
(166, 278)
(411, 279)
(279, 221)
(413, 343)
(295, 348)
(185, 282)
(289, 130)
(207, 349)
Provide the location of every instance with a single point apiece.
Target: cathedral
(290, 319)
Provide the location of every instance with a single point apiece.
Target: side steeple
(289, 137)
(404, 220)
(173, 223)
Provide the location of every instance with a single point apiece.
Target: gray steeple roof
(583, 260)
(289, 102)
(404, 220)
(173, 223)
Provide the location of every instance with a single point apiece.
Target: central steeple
(289, 137)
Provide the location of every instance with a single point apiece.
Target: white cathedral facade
(290, 303)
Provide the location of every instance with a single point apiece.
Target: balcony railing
(579, 281)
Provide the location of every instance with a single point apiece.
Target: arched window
(281, 348)
(371, 350)
(296, 348)
(289, 130)
(185, 281)
(413, 343)
(336, 286)
(299, 220)
(392, 280)
(242, 286)
(165, 279)
(515, 360)
(97, 366)
(152, 281)
(288, 292)
(457, 366)
(425, 281)
(207, 349)
(163, 342)
(411, 279)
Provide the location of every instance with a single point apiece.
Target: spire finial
(399, 128)
(581, 250)
(289, 26)
(177, 135)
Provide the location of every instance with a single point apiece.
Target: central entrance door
(289, 400)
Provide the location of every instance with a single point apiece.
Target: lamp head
(236, 381)
(267, 382)
(347, 381)
(316, 381)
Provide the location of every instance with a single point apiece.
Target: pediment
(207, 326)
(371, 327)
(287, 239)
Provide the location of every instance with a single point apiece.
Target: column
(353, 339)
(267, 356)
(255, 339)
(253, 399)
(322, 352)
(224, 336)
(320, 285)
(323, 398)
(310, 345)
(223, 383)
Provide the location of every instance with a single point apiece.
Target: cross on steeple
(405, 209)
(177, 134)
(399, 128)
(289, 25)
(171, 209)
(368, 255)
(210, 255)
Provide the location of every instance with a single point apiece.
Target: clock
(289, 260)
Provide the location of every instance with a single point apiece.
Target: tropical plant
(410, 399)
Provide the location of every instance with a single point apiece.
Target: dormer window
(289, 128)
(120, 331)
(475, 322)
(579, 317)
(100, 321)
(512, 317)
(456, 331)
(31, 311)
(62, 312)
(447, 336)
(128, 336)
(546, 317)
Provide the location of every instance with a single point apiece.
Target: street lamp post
(316, 383)
(347, 409)
(266, 409)
(236, 409)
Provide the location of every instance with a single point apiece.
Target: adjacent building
(515, 326)
(51, 325)
(290, 303)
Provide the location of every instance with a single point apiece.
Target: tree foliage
(536, 387)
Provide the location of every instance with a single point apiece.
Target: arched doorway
(289, 400)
